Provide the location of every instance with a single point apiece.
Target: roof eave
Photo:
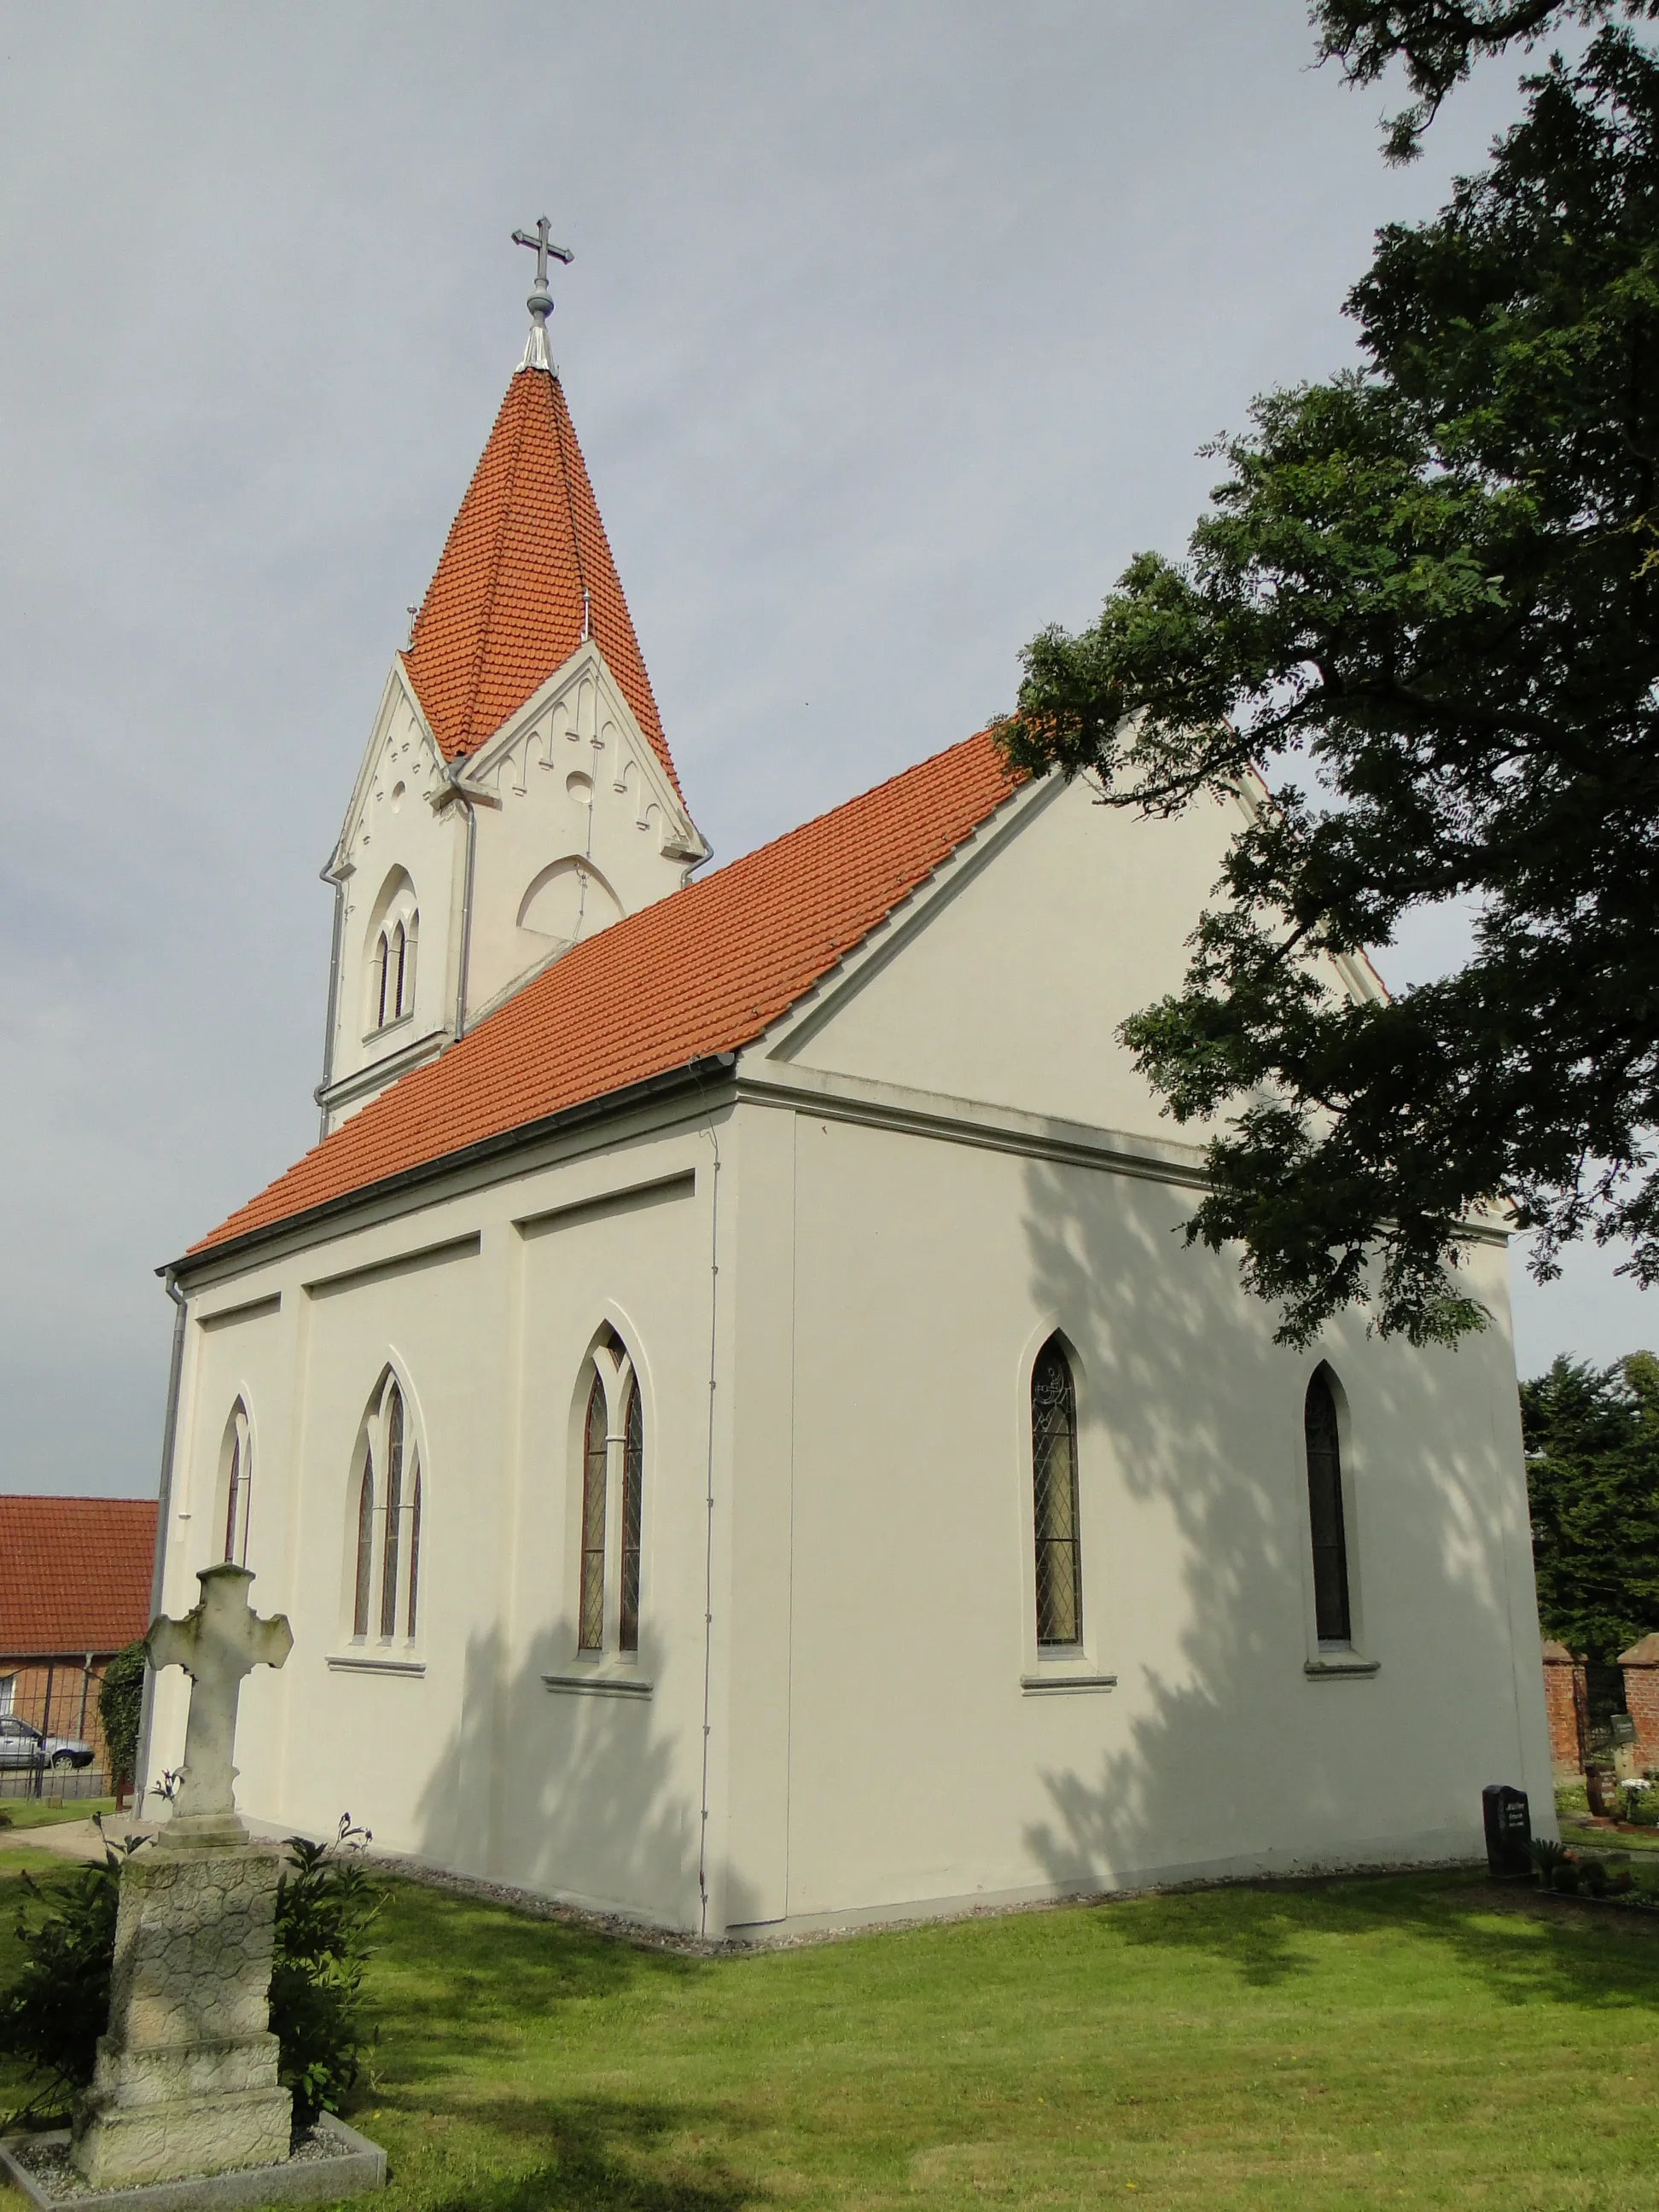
(691, 1074)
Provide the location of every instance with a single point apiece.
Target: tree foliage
(1425, 601)
(1593, 1479)
(1439, 41)
(120, 1708)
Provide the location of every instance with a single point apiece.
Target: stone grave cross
(218, 1643)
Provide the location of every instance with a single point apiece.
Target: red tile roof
(704, 971)
(504, 609)
(74, 1574)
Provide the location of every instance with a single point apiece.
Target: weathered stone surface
(187, 2076)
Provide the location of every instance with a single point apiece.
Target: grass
(1417, 2041)
(47, 1811)
(1572, 1813)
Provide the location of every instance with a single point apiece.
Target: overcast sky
(892, 331)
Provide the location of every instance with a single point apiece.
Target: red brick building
(75, 1588)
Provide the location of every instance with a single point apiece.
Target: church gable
(1007, 985)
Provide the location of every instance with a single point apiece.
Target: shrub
(120, 1705)
(53, 2015)
(325, 1905)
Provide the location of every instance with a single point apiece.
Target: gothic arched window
(595, 1457)
(1332, 1612)
(612, 1500)
(391, 936)
(1054, 1499)
(632, 1498)
(388, 1521)
(365, 1549)
(238, 1485)
(394, 1509)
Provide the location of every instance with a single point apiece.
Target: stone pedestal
(187, 2076)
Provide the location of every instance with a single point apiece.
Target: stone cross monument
(186, 2076)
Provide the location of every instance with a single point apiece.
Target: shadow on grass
(452, 1973)
(1523, 1949)
(588, 2153)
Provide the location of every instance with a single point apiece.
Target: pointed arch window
(386, 1561)
(612, 1502)
(365, 1578)
(1054, 1499)
(392, 940)
(1333, 1611)
(238, 1459)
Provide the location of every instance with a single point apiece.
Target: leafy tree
(1425, 601)
(1593, 1480)
(1439, 41)
(120, 1708)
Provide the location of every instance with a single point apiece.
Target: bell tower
(517, 792)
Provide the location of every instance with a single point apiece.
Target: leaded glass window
(414, 1550)
(394, 1506)
(365, 1547)
(1330, 1548)
(1054, 1475)
(633, 1489)
(590, 1635)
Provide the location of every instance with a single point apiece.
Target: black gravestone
(1509, 1833)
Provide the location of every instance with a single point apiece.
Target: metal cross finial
(540, 302)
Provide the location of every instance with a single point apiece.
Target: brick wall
(1641, 1665)
(1564, 1704)
(58, 1695)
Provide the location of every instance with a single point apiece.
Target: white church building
(725, 1405)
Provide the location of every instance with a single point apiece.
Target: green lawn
(1417, 2041)
(47, 1811)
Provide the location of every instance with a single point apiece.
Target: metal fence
(48, 1721)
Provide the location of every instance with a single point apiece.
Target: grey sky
(892, 331)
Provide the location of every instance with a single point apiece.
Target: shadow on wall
(592, 1799)
(1232, 1752)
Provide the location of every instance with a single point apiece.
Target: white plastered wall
(930, 1755)
(456, 1751)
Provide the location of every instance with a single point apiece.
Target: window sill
(597, 1686)
(1332, 1664)
(373, 1662)
(398, 1021)
(1039, 1686)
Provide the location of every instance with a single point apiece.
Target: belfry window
(1054, 1499)
(1332, 1610)
(394, 933)
(386, 1534)
(612, 1502)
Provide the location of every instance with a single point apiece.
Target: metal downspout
(454, 774)
(327, 876)
(163, 1514)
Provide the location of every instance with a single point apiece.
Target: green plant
(51, 2017)
(53, 2013)
(1546, 1857)
(120, 1706)
(325, 1905)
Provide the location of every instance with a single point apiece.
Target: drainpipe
(327, 875)
(163, 1513)
(453, 773)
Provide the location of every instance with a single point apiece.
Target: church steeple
(517, 794)
(526, 573)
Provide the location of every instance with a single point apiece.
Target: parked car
(23, 1745)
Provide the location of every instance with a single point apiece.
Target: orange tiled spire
(526, 574)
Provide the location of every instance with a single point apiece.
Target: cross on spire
(540, 302)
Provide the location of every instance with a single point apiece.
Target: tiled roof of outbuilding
(74, 1574)
(504, 607)
(705, 970)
